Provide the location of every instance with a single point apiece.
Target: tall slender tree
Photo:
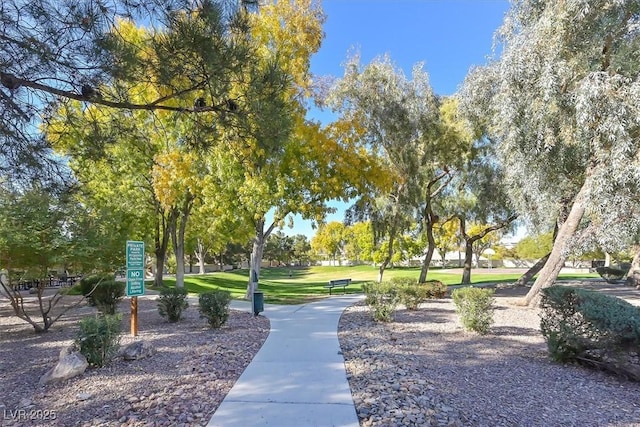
(399, 118)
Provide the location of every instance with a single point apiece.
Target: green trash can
(258, 303)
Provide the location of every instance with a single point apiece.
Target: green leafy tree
(279, 247)
(211, 229)
(329, 240)
(478, 197)
(534, 247)
(33, 239)
(119, 178)
(276, 161)
(301, 248)
(447, 238)
(487, 242)
(359, 245)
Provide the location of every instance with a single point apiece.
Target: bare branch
(95, 98)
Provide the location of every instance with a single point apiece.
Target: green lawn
(307, 284)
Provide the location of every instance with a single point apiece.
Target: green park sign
(135, 282)
(135, 268)
(135, 254)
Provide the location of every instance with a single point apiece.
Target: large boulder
(69, 366)
(138, 350)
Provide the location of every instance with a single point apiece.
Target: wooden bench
(340, 282)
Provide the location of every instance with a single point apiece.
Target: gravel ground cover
(182, 384)
(421, 370)
(424, 369)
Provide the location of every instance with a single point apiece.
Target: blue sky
(448, 36)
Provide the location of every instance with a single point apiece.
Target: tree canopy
(561, 102)
(52, 51)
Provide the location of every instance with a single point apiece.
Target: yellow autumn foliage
(173, 174)
(294, 28)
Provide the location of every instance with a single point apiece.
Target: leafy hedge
(592, 328)
(383, 298)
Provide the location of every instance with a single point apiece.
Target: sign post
(135, 279)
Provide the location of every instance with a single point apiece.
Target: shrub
(475, 307)
(588, 326)
(87, 284)
(435, 289)
(107, 295)
(99, 338)
(171, 302)
(215, 307)
(411, 295)
(611, 274)
(382, 298)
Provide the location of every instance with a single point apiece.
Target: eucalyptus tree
(477, 197)
(562, 101)
(398, 117)
(450, 152)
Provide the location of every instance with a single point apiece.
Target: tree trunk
(186, 213)
(426, 262)
(470, 240)
(535, 269)
(164, 223)
(468, 261)
(633, 276)
(430, 219)
(387, 259)
(557, 257)
(201, 254)
(256, 256)
(178, 244)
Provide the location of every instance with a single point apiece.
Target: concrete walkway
(298, 377)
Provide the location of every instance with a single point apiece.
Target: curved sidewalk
(298, 377)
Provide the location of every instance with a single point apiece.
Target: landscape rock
(69, 366)
(25, 402)
(83, 396)
(67, 350)
(138, 350)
